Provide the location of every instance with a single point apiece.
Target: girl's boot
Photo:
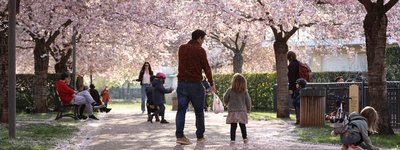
(150, 118)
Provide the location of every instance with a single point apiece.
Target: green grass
(36, 135)
(322, 135)
(267, 116)
(38, 131)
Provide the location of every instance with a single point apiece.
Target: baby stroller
(151, 108)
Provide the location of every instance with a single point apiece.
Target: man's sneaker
(107, 110)
(203, 139)
(245, 141)
(164, 121)
(93, 117)
(183, 141)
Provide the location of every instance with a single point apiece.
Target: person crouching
(159, 95)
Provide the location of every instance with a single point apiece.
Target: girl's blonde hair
(238, 83)
(372, 117)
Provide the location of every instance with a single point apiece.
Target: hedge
(24, 90)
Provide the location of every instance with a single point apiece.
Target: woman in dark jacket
(144, 79)
(159, 95)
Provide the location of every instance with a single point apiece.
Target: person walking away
(300, 84)
(105, 96)
(159, 95)
(192, 61)
(293, 71)
(144, 79)
(238, 101)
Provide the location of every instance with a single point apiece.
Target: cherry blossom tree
(284, 18)
(380, 23)
(43, 22)
(375, 29)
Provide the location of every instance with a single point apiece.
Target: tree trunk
(62, 66)
(375, 25)
(41, 55)
(4, 77)
(238, 63)
(280, 49)
(79, 82)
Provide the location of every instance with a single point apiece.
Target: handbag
(218, 107)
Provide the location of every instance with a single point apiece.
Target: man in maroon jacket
(192, 62)
(69, 96)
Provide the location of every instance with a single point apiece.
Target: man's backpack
(304, 71)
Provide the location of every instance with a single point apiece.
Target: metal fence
(335, 90)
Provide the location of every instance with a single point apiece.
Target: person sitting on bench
(96, 96)
(69, 96)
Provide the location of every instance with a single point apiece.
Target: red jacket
(65, 92)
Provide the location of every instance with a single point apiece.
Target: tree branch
(236, 40)
(216, 37)
(367, 4)
(260, 2)
(57, 32)
(390, 4)
(290, 33)
(278, 36)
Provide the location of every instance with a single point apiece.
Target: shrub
(24, 91)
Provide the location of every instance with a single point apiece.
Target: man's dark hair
(197, 34)
(64, 75)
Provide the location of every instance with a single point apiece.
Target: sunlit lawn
(322, 135)
(267, 116)
(38, 131)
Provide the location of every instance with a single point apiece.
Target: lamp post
(11, 68)
(74, 56)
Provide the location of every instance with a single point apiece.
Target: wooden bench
(62, 109)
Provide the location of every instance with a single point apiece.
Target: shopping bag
(218, 107)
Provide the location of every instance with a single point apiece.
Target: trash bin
(312, 107)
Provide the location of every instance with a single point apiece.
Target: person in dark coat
(95, 94)
(159, 95)
(151, 108)
(300, 84)
(293, 71)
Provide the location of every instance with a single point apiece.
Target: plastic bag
(218, 107)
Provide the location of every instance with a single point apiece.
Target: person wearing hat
(159, 95)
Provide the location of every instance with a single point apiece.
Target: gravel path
(129, 130)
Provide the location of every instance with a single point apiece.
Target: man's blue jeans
(144, 96)
(190, 91)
